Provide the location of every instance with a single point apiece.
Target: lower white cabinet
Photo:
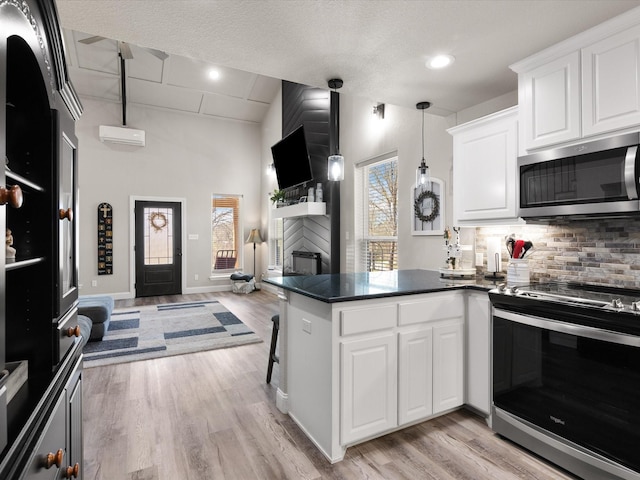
(403, 374)
(369, 386)
(415, 394)
(448, 372)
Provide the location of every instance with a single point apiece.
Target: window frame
(272, 240)
(362, 213)
(239, 239)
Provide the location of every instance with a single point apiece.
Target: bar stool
(274, 340)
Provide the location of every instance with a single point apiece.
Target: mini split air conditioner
(124, 135)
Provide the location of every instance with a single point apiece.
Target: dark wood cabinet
(41, 396)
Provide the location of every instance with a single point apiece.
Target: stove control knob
(514, 290)
(635, 306)
(617, 303)
(501, 287)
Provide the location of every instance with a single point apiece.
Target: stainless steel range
(566, 375)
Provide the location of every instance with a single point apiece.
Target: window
(276, 239)
(378, 212)
(226, 233)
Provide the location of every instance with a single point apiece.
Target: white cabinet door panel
(485, 169)
(550, 102)
(611, 83)
(368, 387)
(415, 382)
(448, 373)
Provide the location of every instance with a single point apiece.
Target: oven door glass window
(585, 390)
(596, 177)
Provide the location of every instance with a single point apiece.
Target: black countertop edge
(288, 283)
(353, 298)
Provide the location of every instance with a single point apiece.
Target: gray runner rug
(141, 333)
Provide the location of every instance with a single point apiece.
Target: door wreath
(428, 212)
(435, 206)
(158, 221)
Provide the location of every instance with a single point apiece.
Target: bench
(98, 309)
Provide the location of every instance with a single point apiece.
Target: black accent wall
(312, 107)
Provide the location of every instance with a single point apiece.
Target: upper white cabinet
(611, 83)
(485, 169)
(586, 86)
(550, 99)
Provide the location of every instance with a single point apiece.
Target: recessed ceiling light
(440, 61)
(214, 74)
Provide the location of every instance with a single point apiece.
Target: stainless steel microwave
(594, 179)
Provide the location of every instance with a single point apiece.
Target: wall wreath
(158, 221)
(428, 212)
(435, 206)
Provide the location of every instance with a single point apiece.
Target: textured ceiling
(175, 83)
(377, 47)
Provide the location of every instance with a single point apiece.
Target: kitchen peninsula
(364, 354)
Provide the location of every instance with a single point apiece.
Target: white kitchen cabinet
(478, 361)
(415, 377)
(369, 386)
(611, 83)
(586, 86)
(448, 369)
(549, 98)
(485, 186)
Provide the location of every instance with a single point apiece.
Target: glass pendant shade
(422, 174)
(336, 167)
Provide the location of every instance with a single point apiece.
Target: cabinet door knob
(72, 472)
(11, 195)
(68, 214)
(55, 459)
(73, 331)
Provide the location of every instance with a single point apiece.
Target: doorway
(158, 248)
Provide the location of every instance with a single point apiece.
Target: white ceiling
(176, 83)
(378, 47)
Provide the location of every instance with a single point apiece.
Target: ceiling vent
(124, 135)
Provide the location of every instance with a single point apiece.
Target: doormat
(153, 331)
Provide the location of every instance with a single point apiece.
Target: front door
(158, 248)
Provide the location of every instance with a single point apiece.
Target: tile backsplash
(589, 251)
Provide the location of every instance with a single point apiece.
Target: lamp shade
(336, 167)
(254, 236)
(422, 174)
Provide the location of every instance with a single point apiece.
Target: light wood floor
(210, 415)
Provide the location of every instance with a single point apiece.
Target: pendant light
(422, 172)
(335, 165)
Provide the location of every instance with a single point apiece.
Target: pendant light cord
(422, 134)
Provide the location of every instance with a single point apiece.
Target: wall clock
(427, 209)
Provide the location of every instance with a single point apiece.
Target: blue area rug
(141, 333)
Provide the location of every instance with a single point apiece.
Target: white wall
(363, 136)
(271, 134)
(186, 156)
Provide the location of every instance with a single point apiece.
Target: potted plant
(277, 197)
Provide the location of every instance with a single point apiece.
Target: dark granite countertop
(344, 287)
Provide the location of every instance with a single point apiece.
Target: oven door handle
(630, 177)
(569, 328)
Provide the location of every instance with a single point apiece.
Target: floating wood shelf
(301, 210)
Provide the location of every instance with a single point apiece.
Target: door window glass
(158, 236)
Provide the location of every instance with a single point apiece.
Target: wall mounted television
(291, 160)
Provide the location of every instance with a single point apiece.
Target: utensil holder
(518, 272)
